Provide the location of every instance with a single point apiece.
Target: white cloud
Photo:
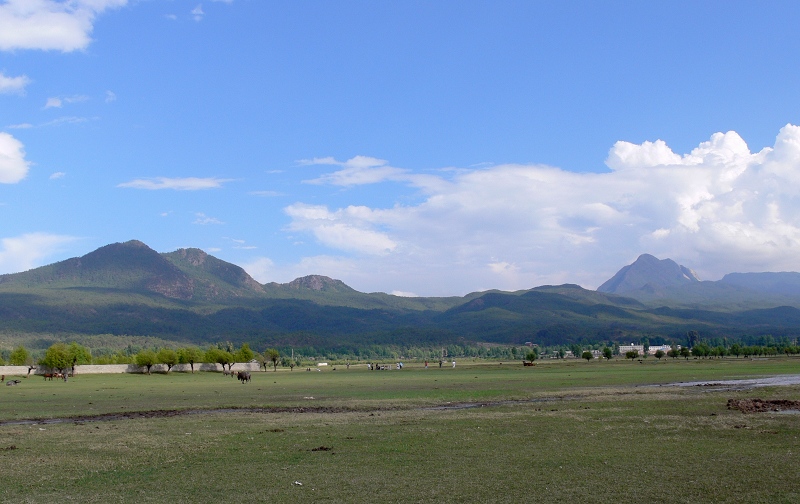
(13, 84)
(261, 269)
(403, 294)
(203, 219)
(177, 184)
(110, 97)
(67, 120)
(53, 103)
(58, 102)
(362, 170)
(197, 13)
(58, 121)
(28, 251)
(13, 166)
(57, 175)
(718, 209)
(356, 171)
(351, 229)
(64, 25)
(265, 194)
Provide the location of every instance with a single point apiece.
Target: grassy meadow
(567, 431)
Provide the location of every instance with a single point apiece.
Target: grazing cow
(243, 376)
(11, 383)
(48, 376)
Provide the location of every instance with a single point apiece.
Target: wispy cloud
(177, 184)
(204, 220)
(57, 175)
(362, 170)
(9, 85)
(110, 97)
(28, 251)
(13, 165)
(197, 13)
(265, 194)
(58, 102)
(49, 24)
(58, 121)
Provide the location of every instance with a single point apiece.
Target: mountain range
(128, 289)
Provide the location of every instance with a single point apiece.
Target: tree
(587, 355)
(167, 356)
(79, 354)
(272, 355)
(287, 362)
(685, 352)
(190, 355)
(631, 354)
(673, 351)
(693, 337)
(608, 353)
(215, 355)
(57, 357)
(146, 358)
(562, 353)
(659, 354)
(701, 350)
(736, 349)
(533, 354)
(244, 354)
(576, 350)
(20, 357)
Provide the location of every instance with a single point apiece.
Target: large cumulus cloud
(719, 208)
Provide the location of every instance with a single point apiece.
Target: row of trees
(61, 357)
(213, 355)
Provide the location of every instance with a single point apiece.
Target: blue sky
(428, 148)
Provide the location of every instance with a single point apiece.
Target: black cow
(243, 376)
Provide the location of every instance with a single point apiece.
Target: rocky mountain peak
(318, 283)
(648, 274)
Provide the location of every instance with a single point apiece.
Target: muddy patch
(767, 381)
(133, 415)
(763, 405)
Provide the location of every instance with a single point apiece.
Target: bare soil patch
(762, 405)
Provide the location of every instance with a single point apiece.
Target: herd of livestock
(242, 376)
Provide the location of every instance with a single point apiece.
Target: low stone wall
(129, 368)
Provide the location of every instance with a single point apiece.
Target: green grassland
(564, 431)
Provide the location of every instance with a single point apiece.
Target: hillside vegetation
(128, 289)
